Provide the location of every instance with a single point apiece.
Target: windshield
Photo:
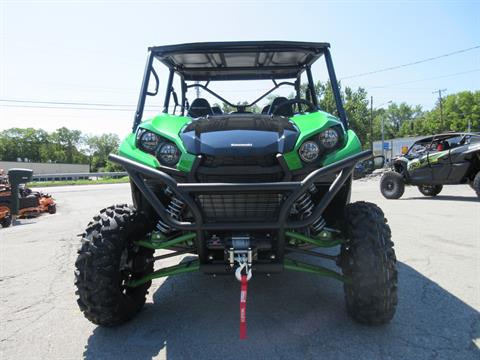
(418, 149)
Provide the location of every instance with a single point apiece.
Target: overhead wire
(410, 63)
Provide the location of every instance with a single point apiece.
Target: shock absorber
(305, 205)
(174, 210)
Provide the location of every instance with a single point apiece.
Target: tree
(398, 119)
(67, 143)
(458, 110)
(26, 143)
(99, 148)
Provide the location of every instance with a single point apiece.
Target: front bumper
(342, 171)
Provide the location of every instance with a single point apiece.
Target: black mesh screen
(240, 207)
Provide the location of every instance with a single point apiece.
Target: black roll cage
(149, 69)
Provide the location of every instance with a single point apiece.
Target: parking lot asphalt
(290, 315)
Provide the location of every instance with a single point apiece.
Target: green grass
(122, 180)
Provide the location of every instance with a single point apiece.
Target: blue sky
(94, 51)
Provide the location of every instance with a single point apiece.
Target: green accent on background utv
(426, 160)
(312, 124)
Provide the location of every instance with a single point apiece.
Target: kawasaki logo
(241, 145)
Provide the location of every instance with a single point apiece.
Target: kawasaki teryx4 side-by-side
(434, 161)
(243, 193)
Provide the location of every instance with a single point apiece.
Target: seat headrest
(200, 107)
(284, 111)
(216, 110)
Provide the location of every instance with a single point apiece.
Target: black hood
(239, 135)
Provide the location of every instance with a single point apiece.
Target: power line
(69, 108)
(411, 63)
(69, 103)
(425, 79)
(62, 107)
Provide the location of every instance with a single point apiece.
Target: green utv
(243, 192)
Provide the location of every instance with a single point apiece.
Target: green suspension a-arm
(313, 269)
(168, 271)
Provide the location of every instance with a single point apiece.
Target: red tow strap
(243, 307)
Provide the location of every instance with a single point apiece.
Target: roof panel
(240, 60)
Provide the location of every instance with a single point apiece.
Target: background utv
(434, 161)
(242, 191)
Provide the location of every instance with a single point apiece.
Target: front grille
(216, 161)
(240, 178)
(240, 207)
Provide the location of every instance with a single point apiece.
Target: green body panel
(169, 127)
(308, 125)
(129, 150)
(312, 124)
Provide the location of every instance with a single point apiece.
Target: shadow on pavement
(290, 315)
(445, 197)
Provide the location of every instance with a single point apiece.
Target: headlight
(309, 151)
(149, 141)
(329, 138)
(168, 154)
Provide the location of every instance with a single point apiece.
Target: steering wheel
(310, 106)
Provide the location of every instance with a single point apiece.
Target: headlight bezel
(155, 150)
(177, 154)
(141, 143)
(326, 135)
(302, 148)
(323, 150)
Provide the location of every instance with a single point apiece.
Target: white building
(45, 168)
(394, 147)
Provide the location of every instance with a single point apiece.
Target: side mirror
(378, 162)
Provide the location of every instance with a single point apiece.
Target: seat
(286, 111)
(265, 109)
(200, 107)
(216, 110)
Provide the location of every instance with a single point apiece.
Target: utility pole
(440, 101)
(383, 128)
(371, 123)
(383, 139)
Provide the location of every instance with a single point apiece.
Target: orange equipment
(32, 203)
